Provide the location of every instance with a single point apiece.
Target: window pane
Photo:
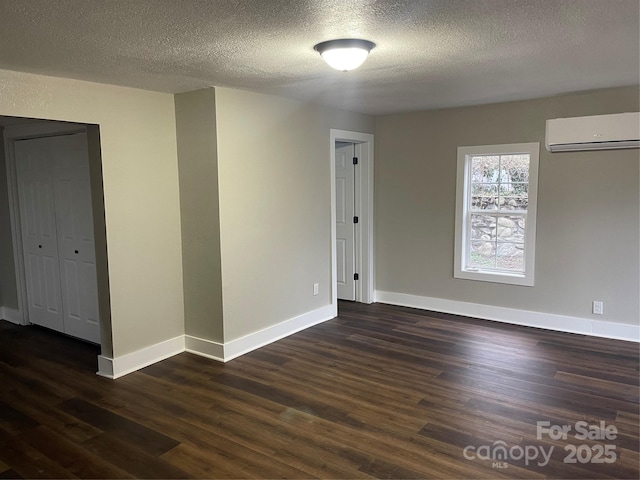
(510, 229)
(482, 255)
(497, 242)
(484, 196)
(485, 168)
(510, 256)
(516, 199)
(514, 175)
(484, 189)
(484, 203)
(516, 167)
(483, 227)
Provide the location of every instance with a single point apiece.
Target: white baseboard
(10, 315)
(204, 348)
(105, 367)
(258, 339)
(240, 346)
(548, 321)
(120, 366)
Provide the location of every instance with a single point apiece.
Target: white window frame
(462, 227)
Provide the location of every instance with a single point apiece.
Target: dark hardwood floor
(381, 391)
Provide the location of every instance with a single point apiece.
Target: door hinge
(356, 276)
(355, 160)
(355, 219)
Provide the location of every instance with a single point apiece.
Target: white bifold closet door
(57, 233)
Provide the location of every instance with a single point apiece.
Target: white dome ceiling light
(345, 54)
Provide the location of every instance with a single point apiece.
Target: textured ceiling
(430, 53)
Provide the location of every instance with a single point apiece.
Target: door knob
(39, 246)
(76, 251)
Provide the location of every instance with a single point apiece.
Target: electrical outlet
(598, 307)
(316, 288)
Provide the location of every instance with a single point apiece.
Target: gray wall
(275, 206)
(199, 213)
(255, 198)
(100, 236)
(141, 196)
(8, 293)
(588, 208)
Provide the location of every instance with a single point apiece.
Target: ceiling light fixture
(345, 54)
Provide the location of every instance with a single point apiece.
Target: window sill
(495, 277)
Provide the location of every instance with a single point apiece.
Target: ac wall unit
(597, 132)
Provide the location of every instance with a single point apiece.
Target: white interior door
(74, 220)
(63, 193)
(345, 227)
(39, 236)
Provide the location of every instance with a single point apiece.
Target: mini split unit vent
(598, 132)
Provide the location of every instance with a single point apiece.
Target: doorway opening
(352, 216)
(55, 270)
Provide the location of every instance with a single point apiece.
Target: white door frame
(364, 211)
(11, 135)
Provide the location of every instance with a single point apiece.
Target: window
(496, 213)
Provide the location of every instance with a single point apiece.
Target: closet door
(39, 236)
(74, 226)
(57, 228)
